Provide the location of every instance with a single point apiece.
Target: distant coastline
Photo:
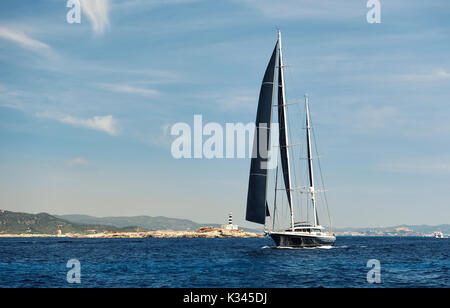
(167, 234)
(205, 232)
(13, 224)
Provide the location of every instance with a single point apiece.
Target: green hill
(144, 222)
(43, 223)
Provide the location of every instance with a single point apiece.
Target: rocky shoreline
(205, 232)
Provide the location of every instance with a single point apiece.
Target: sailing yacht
(299, 234)
(438, 234)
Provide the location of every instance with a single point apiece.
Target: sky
(86, 109)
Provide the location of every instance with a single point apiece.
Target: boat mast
(310, 162)
(283, 103)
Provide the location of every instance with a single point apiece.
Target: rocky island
(205, 232)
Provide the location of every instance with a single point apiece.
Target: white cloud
(23, 40)
(98, 13)
(443, 74)
(436, 75)
(125, 88)
(79, 161)
(101, 123)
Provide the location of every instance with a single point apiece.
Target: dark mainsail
(257, 187)
(284, 150)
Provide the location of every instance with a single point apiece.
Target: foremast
(311, 189)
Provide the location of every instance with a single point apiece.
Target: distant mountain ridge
(43, 223)
(144, 222)
(424, 229)
(176, 224)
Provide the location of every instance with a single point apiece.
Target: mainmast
(284, 144)
(310, 162)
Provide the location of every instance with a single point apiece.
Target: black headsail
(257, 187)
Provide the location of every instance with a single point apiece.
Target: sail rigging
(283, 131)
(257, 189)
(299, 234)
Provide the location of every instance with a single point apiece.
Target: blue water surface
(233, 263)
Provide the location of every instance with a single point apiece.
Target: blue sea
(234, 263)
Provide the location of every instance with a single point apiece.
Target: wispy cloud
(427, 165)
(139, 4)
(101, 123)
(98, 13)
(375, 118)
(403, 118)
(232, 101)
(78, 161)
(151, 75)
(140, 76)
(435, 75)
(16, 106)
(164, 139)
(307, 8)
(8, 99)
(23, 39)
(331, 9)
(125, 88)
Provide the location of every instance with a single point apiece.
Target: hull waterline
(293, 240)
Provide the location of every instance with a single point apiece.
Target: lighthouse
(230, 225)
